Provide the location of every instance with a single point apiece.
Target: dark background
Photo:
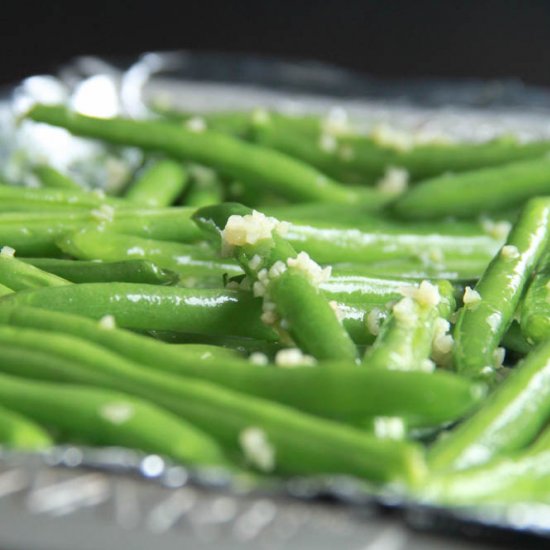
(490, 39)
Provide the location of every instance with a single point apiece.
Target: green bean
(406, 336)
(128, 271)
(250, 164)
(239, 123)
(231, 122)
(425, 161)
(201, 268)
(337, 390)
(58, 197)
(332, 154)
(237, 344)
(50, 177)
(484, 320)
(200, 311)
(104, 417)
(160, 184)
(471, 193)
(291, 287)
(4, 290)
(292, 442)
(17, 431)
(180, 309)
(458, 270)
(521, 477)
(194, 264)
(19, 275)
(362, 289)
(535, 308)
(508, 421)
(206, 187)
(333, 245)
(34, 207)
(362, 158)
(134, 346)
(36, 234)
(310, 318)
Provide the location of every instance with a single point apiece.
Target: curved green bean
(521, 477)
(19, 275)
(4, 290)
(294, 442)
(361, 158)
(337, 390)
(485, 318)
(250, 164)
(509, 419)
(19, 432)
(104, 417)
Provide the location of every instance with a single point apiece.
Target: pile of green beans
(264, 296)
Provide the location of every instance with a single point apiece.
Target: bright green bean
(406, 335)
(160, 184)
(128, 271)
(508, 421)
(296, 443)
(19, 432)
(36, 234)
(338, 390)
(19, 275)
(521, 477)
(250, 164)
(4, 290)
(332, 244)
(458, 270)
(484, 320)
(535, 308)
(50, 177)
(150, 307)
(206, 187)
(59, 197)
(197, 266)
(472, 193)
(104, 417)
(301, 307)
(361, 158)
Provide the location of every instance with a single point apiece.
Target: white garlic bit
(471, 297)
(257, 449)
(394, 182)
(293, 357)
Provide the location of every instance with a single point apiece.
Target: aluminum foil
(464, 110)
